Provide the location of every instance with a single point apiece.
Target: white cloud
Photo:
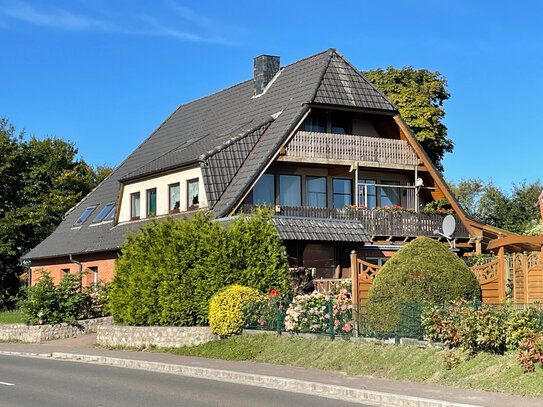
(20, 11)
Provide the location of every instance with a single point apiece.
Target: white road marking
(7, 384)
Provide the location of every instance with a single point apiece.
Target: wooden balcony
(376, 222)
(338, 148)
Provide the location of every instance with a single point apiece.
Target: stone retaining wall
(159, 336)
(40, 333)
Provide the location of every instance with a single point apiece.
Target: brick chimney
(265, 68)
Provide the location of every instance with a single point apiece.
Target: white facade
(161, 183)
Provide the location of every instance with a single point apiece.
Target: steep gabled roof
(233, 124)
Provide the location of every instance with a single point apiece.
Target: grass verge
(482, 371)
(12, 317)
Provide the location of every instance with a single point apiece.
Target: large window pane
(315, 192)
(368, 192)
(192, 194)
(264, 190)
(290, 190)
(316, 121)
(151, 202)
(341, 189)
(390, 196)
(135, 205)
(341, 123)
(174, 198)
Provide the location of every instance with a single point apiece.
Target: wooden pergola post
(501, 274)
(354, 279)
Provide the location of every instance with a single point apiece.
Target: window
(135, 206)
(341, 191)
(102, 214)
(390, 196)
(378, 261)
(84, 216)
(341, 123)
(264, 190)
(173, 206)
(316, 121)
(315, 194)
(368, 193)
(192, 194)
(151, 202)
(111, 214)
(65, 271)
(94, 271)
(290, 193)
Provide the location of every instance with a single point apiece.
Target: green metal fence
(401, 320)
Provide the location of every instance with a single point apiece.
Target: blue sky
(105, 74)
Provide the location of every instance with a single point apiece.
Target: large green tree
(419, 95)
(40, 181)
(515, 211)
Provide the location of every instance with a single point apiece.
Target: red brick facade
(102, 263)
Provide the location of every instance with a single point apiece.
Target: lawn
(483, 371)
(12, 317)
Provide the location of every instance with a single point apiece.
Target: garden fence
(401, 320)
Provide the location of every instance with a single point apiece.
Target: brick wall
(57, 267)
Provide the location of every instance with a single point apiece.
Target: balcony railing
(376, 222)
(306, 144)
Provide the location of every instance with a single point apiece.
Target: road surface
(33, 382)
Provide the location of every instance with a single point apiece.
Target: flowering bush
(310, 313)
(226, 309)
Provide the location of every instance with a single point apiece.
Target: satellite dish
(449, 224)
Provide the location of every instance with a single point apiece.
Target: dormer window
(151, 202)
(135, 206)
(84, 216)
(175, 201)
(192, 194)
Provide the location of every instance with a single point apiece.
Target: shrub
(530, 351)
(226, 309)
(310, 313)
(423, 271)
(47, 303)
(167, 273)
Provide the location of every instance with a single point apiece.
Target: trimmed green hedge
(423, 271)
(167, 273)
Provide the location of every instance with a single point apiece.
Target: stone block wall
(40, 333)
(159, 336)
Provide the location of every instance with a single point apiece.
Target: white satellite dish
(449, 224)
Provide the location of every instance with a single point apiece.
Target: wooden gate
(491, 279)
(527, 277)
(362, 274)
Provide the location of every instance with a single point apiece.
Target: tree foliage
(167, 273)
(515, 211)
(41, 180)
(419, 95)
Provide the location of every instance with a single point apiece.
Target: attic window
(111, 214)
(103, 212)
(84, 216)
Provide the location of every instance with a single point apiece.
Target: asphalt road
(33, 382)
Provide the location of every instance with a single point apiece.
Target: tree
(419, 95)
(515, 212)
(41, 181)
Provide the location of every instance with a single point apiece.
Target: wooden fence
(492, 276)
(307, 144)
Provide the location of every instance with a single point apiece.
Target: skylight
(111, 215)
(103, 212)
(84, 216)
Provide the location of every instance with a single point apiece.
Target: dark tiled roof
(204, 125)
(220, 165)
(343, 84)
(324, 230)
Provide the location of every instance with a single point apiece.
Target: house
(311, 139)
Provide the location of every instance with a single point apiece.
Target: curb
(272, 382)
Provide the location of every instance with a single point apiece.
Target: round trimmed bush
(423, 271)
(226, 309)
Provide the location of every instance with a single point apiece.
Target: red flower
(273, 293)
